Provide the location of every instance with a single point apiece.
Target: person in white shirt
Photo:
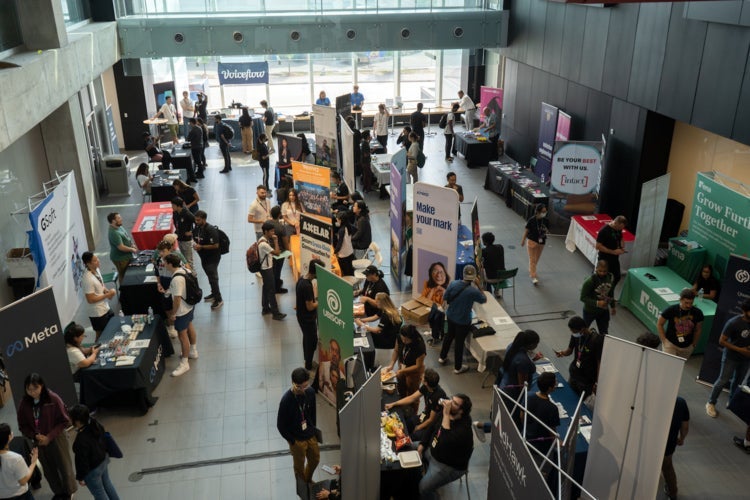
(380, 125)
(181, 313)
(188, 110)
(260, 210)
(449, 125)
(15, 475)
(169, 112)
(268, 246)
(97, 295)
(469, 108)
(78, 356)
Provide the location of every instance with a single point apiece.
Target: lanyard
(36, 410)
(301, 409)
(97, 276)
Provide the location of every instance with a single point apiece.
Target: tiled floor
(225, 406)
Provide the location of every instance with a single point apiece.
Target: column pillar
(42, 24)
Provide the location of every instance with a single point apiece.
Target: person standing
(450, 121)
(283, 238)
(263, 158)
(169, 112)
(735, 360)
(246, 130)
(420, 425)
(97, 295)
(16, 475)
(188, 109)
(201, 107)
(469, 108)
(451, 178)
(184, 222)
(460, 296)
(586, 346)
(259, 211)
(366, 161)
(269, 120)
(181, 313)
(418, 120)
(684, 326)
(268, 246)
(296, 421)
(380, 125)
(90, 450)
(412, 157)
(206, 238)
(121, 246)
(597, 295)
(610, 247)
(343, 249)
(42, 418)
(307, 312)
(410, 353)
(322, 99)
(448, 452)
(536, 234)
(356, 98)
(195, 138)
(204, 129)
(224, 143)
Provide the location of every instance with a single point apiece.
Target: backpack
(443, 121)
(252, 257)
(421, 159)
(228, 132)
(223, 241)
(193, 292)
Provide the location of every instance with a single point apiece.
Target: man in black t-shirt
(586, 346)
(684, 326)
(206, 238)
(418, 120)
(307, 312)
(419, 425)
(610, 247)
(545, 410)
(184, 221)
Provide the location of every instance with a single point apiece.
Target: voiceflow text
(425, 213)
(713, 213)
(233, 74)
(335, 319)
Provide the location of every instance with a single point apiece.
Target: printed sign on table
(251, 73)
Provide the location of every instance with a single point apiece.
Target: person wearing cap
(374, 284)
(460, 296)
(356, 98)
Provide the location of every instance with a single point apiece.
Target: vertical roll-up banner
(435, 231)
(397, 213)
(347, 156)
(32, 341)
(326, 141)
(547, 131)
(563, 126)
(735, 289)
(651, 209)
(315, 241)
(335, 330)
(313, 185)
(575, 177)
(490, 97)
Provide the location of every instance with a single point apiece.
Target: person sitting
(144, 178)
(362, 237)
(493, 256)
(154, 153)
(420, 425)
(706, 282)
(340, 196)
(78, 356)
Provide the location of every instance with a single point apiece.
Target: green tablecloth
(647, 298)
(684, 261)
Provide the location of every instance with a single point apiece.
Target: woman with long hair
(344, 250)
(362, 237)
(78, 356)
(188, 194)
(305, 155)
(518, 365)
(43, 419)
(409, 352)
(246, 130)
(380, 125)
(90, 451)
(389, 322)
(14, 473)
(291, 209)
(143, 177)
(536, 234)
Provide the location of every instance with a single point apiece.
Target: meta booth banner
(315, 241)
(720, 219)
(490, 97)
(735, 289)
(435, 221)
(335, 330)
(563, 126)
(250, 73)
(32, 341)
(547, 132)
(398, 214)
(57, 241)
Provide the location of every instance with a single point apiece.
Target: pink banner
(563, 126)
(492, 97)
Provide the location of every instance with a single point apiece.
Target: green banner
(720, 219)
(335, 330)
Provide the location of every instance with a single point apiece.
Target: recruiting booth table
(646, 297)
(153, 222)
(492, 313)
(477, 153)
(686, 258)
(582, 235)
(522, 189)
(138, 290)
(162, 188)
(136, 381)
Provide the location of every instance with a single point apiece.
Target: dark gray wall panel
(518, 29)
(509, 93)
(553, 37)
(523, 97)
(741, 131)
(539, 92)
(598, 109)
(717, 12)
(745, 15)
(557, 91)
(619, 54)
(575, 105)
(719, 81)
(537, 21)
(648, 53)
(594, 47)
(682, 61)
(570, 55)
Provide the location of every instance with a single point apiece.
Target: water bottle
(700, 294)
(122, 317)
(150, 314)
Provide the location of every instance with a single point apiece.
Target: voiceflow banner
(243, 73)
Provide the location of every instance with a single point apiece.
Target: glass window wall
(75, 11)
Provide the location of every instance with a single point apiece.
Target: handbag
(255, 155)
(110, 445)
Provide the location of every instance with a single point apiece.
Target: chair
(365, 261)
(504, 279)
(112, 278)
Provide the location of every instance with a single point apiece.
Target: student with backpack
(207, 242)
(268, 246)
(182, 310)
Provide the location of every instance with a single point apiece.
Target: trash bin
(22, 287)
(116, 174)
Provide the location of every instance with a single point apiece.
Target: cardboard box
(416, 311)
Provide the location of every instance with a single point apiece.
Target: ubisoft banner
(32, 341)
(315, 241)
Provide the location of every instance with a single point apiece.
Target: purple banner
(547, 132)
(563, 126)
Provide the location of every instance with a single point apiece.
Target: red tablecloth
(582, 235)
(153, 222)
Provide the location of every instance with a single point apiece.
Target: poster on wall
(347, 157)
(315, 241)
(325, 137)
(435, 221)
(547, 133)
(335, 330)
(490, 97)
(32, 341)
(244, 73)
(574, 180)
(57, 241)
(313, 185)
(720, 219)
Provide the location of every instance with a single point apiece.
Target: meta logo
(34, 338)
(645, 300)
(48, 219)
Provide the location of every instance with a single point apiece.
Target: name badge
(304, 425)
(680, 339)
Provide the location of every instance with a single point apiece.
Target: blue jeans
(99, 484)
(437, 475)
(732, 370)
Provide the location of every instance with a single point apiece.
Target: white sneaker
(711, 410)
(193, 352)
(745, 389)
(181, 368)
(534, 281)
(172, 331)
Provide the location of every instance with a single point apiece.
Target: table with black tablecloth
(138, 290)
(183, 159)
(115, 384)
(477, 153)
(522, 189)
(162, 188)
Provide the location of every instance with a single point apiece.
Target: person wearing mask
(403, 138)
(518, 365)
(97, 295)
(493, 256)
(362, 236)
(188, 195)
(412, 157)
(706, 282)
(268, 246)
(184, 222)
(450, 149)
(15, 475)
(586, 347)
(90, 450)
(448, 452)
(78, 356)
(246, 131)
(121, 246)
(269, 120)
(380, 125)
(469, 108)
(42, 418)
(597, 295)
(610, 247)
(434, 290)
(307, 312)
(206, 243)
(418, 120)
(222, 137)
(684, 325)
(374, 285)
(264, 158)
(460, 296)
(420, 425)
(296, 421)
(409, 352)
(195, 138)
(322, 99)
(343, 249)
(260, 210)
(536, 234)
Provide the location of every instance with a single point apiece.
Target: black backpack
(443, 121)
(193, 292)
(228, 132)
(223, 241)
